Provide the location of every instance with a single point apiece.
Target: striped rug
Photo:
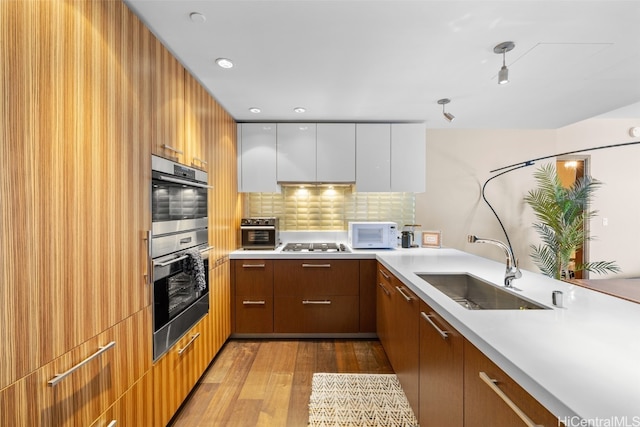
(362, 400)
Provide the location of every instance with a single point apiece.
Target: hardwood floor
(268, 382)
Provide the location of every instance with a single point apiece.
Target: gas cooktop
(315, 247)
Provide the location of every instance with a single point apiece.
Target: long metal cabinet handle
(492, 383)
(183, 182)
(405, 296)
(149, 274)
(253, 265)
(384, 274)
(386, 291)
(175, 150)
(320, 302)
(59, 377)
(113, 423)
(427, 317)
(180, 258)
(187, 345)
(316, 265)
(202, 162)
(247, 302)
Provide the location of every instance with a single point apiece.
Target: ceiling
(367, 61)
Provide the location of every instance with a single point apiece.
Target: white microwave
(373, 235)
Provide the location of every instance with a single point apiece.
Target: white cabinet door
(296, 152)
(408, 157)
(257, 158)
(373, 153)
(336, 152)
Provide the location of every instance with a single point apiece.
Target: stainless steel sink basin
(476, 294)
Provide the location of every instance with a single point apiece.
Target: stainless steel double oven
(179, 234)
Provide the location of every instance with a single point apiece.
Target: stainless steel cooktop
(315, 247)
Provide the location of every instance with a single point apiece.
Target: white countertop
(582, 360)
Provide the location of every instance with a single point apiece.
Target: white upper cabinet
(336, 152)
(257, 158)
(390, 157)
(296, 152)
(408, 157)
(373, 157)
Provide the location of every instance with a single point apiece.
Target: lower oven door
(178, 303)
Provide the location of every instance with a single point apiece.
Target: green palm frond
(562, 214)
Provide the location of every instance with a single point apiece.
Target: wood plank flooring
(268, 382)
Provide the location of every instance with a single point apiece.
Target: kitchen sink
(476, 294)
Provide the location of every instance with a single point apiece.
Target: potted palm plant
(562, 213)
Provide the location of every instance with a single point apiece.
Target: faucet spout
(512, 271)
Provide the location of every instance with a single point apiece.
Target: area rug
(362, 400)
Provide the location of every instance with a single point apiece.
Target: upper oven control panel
(259, 221)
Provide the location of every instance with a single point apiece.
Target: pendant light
(448, 116)
(502, 49)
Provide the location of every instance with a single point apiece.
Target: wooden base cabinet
(447, 380)
(398, 325)
(441, 371)
(492, 398)
(253, 295)
(316, 296)
(175, 374)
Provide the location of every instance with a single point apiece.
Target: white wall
(618, 199)
(459, 161)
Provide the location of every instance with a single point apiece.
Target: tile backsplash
(326, 208)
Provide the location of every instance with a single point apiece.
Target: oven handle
(182, 181)
(180, 258)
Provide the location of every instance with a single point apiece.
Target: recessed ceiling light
(197, 17)
(224, 63)
(299, 109)
(255, 110)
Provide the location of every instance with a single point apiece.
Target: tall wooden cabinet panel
(483, 405)
(441, 371)
(168, 106)
(257, 158)
(74, 199)
(199, 118)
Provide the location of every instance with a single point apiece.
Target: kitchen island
(579, 361)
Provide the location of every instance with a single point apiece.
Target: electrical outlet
(605, 222)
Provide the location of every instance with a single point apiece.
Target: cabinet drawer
(316, 277)
(254, 314)
(318, 314)
(254, 277)
(484, 405)
(95, 374)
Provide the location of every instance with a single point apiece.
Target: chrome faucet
(512, 271)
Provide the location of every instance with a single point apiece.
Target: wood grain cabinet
(253, 295)
(316, 296)
(492, 398)
(175, 374)
(441, 371)
(406, 362)
(447, 380)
